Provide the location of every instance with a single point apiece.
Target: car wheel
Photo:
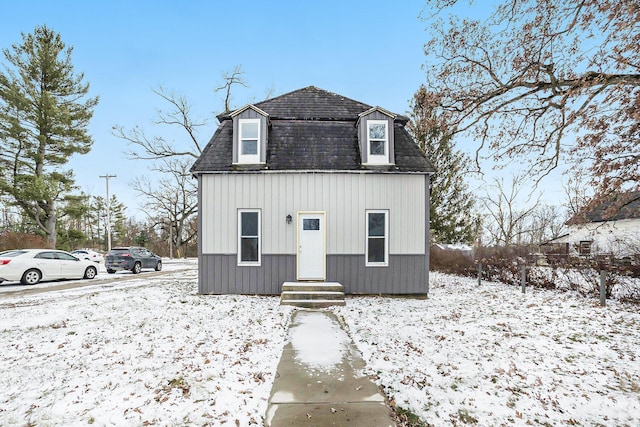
(90, 273)
(159, 266)
(137, 267)
(110, 271)
(31, 277)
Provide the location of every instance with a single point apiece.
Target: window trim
(249, 158)
(377, 159)
(240, 236)
(585, 247)
(385, 263)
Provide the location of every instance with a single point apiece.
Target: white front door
(311, 245)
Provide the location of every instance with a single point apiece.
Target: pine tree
(453, 219)
(43, 121)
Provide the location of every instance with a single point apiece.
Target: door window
(312, 224)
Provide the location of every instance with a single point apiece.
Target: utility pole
(106, 177)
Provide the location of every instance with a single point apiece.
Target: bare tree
(171, 199)
(578, 193)
(158, 147)
(547, 223)
(544, 81)
(231, 78)
(174, 197)
(505, 223)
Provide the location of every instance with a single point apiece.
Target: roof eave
(246, 107)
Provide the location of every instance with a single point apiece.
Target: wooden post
(479, 273)
(603, 288)
(524, 278)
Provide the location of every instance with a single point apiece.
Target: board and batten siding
(345, 197)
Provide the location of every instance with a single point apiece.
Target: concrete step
(312, 286)
(328, 295)
(312, 294)
(312, 303)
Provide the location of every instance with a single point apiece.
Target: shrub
(558, 271)
(13, 240)
(452, 261)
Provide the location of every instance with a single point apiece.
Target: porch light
(289, 219)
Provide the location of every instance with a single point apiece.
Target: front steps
(312, 294)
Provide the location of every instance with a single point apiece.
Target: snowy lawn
(143, 352)
(150, 351)
(492, 356)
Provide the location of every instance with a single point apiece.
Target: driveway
(12, 289)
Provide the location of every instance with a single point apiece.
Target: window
(65, 257)
(311, 224)
(249, 237)
(249, 141)
(46, 255)
(377, 248)
(378, 141)
(585, 247)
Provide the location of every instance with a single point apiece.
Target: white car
(94, 256)
(30, 266)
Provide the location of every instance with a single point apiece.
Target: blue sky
(370, 51)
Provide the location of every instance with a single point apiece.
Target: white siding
(344, 197)
(620, 238)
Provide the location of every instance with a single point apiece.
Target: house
(611, 227)
(312, 186)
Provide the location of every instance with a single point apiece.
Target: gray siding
(406, 274)
(220, 274)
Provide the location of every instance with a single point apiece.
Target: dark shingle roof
(304, 145)
(310, 129)
(616, 208)
(311, 103)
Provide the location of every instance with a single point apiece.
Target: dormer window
(378, 141)
(249, 141)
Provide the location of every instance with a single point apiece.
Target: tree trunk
(50, 225)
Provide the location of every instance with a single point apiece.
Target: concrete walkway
(319, 381)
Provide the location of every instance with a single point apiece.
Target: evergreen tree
(43, 121)
(453, 219)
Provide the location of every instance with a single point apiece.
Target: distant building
(607, 228)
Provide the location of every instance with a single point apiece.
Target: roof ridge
(312, 87)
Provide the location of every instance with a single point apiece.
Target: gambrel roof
(310, 129)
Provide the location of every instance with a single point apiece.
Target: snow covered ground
(150, 351)
(140, 352)
(492, 356)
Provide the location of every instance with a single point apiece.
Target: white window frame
(378, 159)
(248, 158)
(240, 237)
(385, 263)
